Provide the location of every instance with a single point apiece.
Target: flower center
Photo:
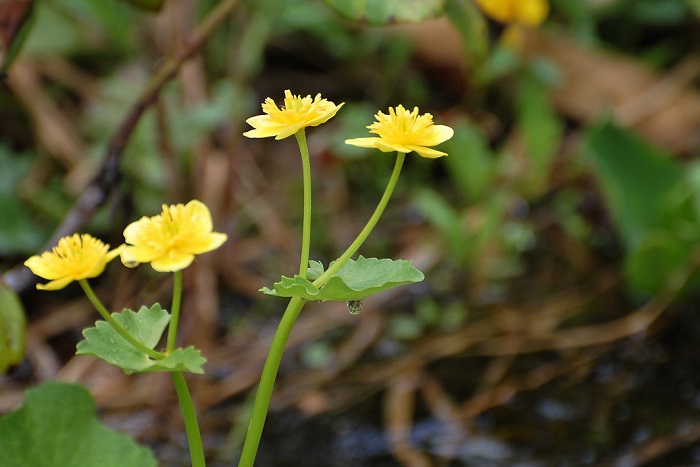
(403, 127)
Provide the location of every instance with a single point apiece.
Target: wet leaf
(381, 12)
(57, 425)
(354, 281)
(147, 326)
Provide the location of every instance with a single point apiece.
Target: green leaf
(472, 26)
(17, 22)
(354, 281)
(146, 326)
(651, 197)
(57, 426)
(381, 12)
(147, 5)
(636, 180)
(541, 129)
(12, 328)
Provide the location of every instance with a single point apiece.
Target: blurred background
(558, 323)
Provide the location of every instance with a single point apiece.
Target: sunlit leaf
(57, 426)
(147, 326)
(354, 281)
(388, 11)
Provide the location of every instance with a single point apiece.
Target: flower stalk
(189, 415)
(174, 312)
(306, 219)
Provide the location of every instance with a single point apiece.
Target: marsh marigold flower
(405, 131)
(76, 257)
(296, 113)
(526, 12)
(517, 14)
(170, 240)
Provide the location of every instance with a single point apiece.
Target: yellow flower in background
(76, 257)
(170, 240)
(405, 131)
(518, 15)
(296, 113)
(526, 12)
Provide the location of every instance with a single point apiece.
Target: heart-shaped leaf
(57, 426)
(146, 326)
(354, 281)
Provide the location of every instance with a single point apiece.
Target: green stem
(306, 223)
(267, 382)
(194, 438)
(371, 223)
(116, 326)
(174, 312)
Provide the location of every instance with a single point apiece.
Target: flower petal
(363, 142)
(55, 285)
(204, 243)
(428, 152)
(173, 261)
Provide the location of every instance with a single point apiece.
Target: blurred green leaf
(147, 5)
(694, 6)
(470, 162)
(650, 198)
(659, 12)
(541, 129)
(405, 327)
(18, 232)
(636, 180)
(446, 219)
(17, 20)
(57, 426)
(472, 26)
(381, 12)
(146, 326)
(354, 281)
(12, 328)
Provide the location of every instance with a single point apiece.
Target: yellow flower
(405, 131)
(76, 257)
(170, 240)
(526, 12)
(296, 113)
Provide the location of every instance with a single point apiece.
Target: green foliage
(541, 130)
(468, 20)
(18, 232)
(147, 5)
(381, 12)
(12, 43)
(146, 326)
(12, 328)
(354, 281)
(57, 426)
(652, 201)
